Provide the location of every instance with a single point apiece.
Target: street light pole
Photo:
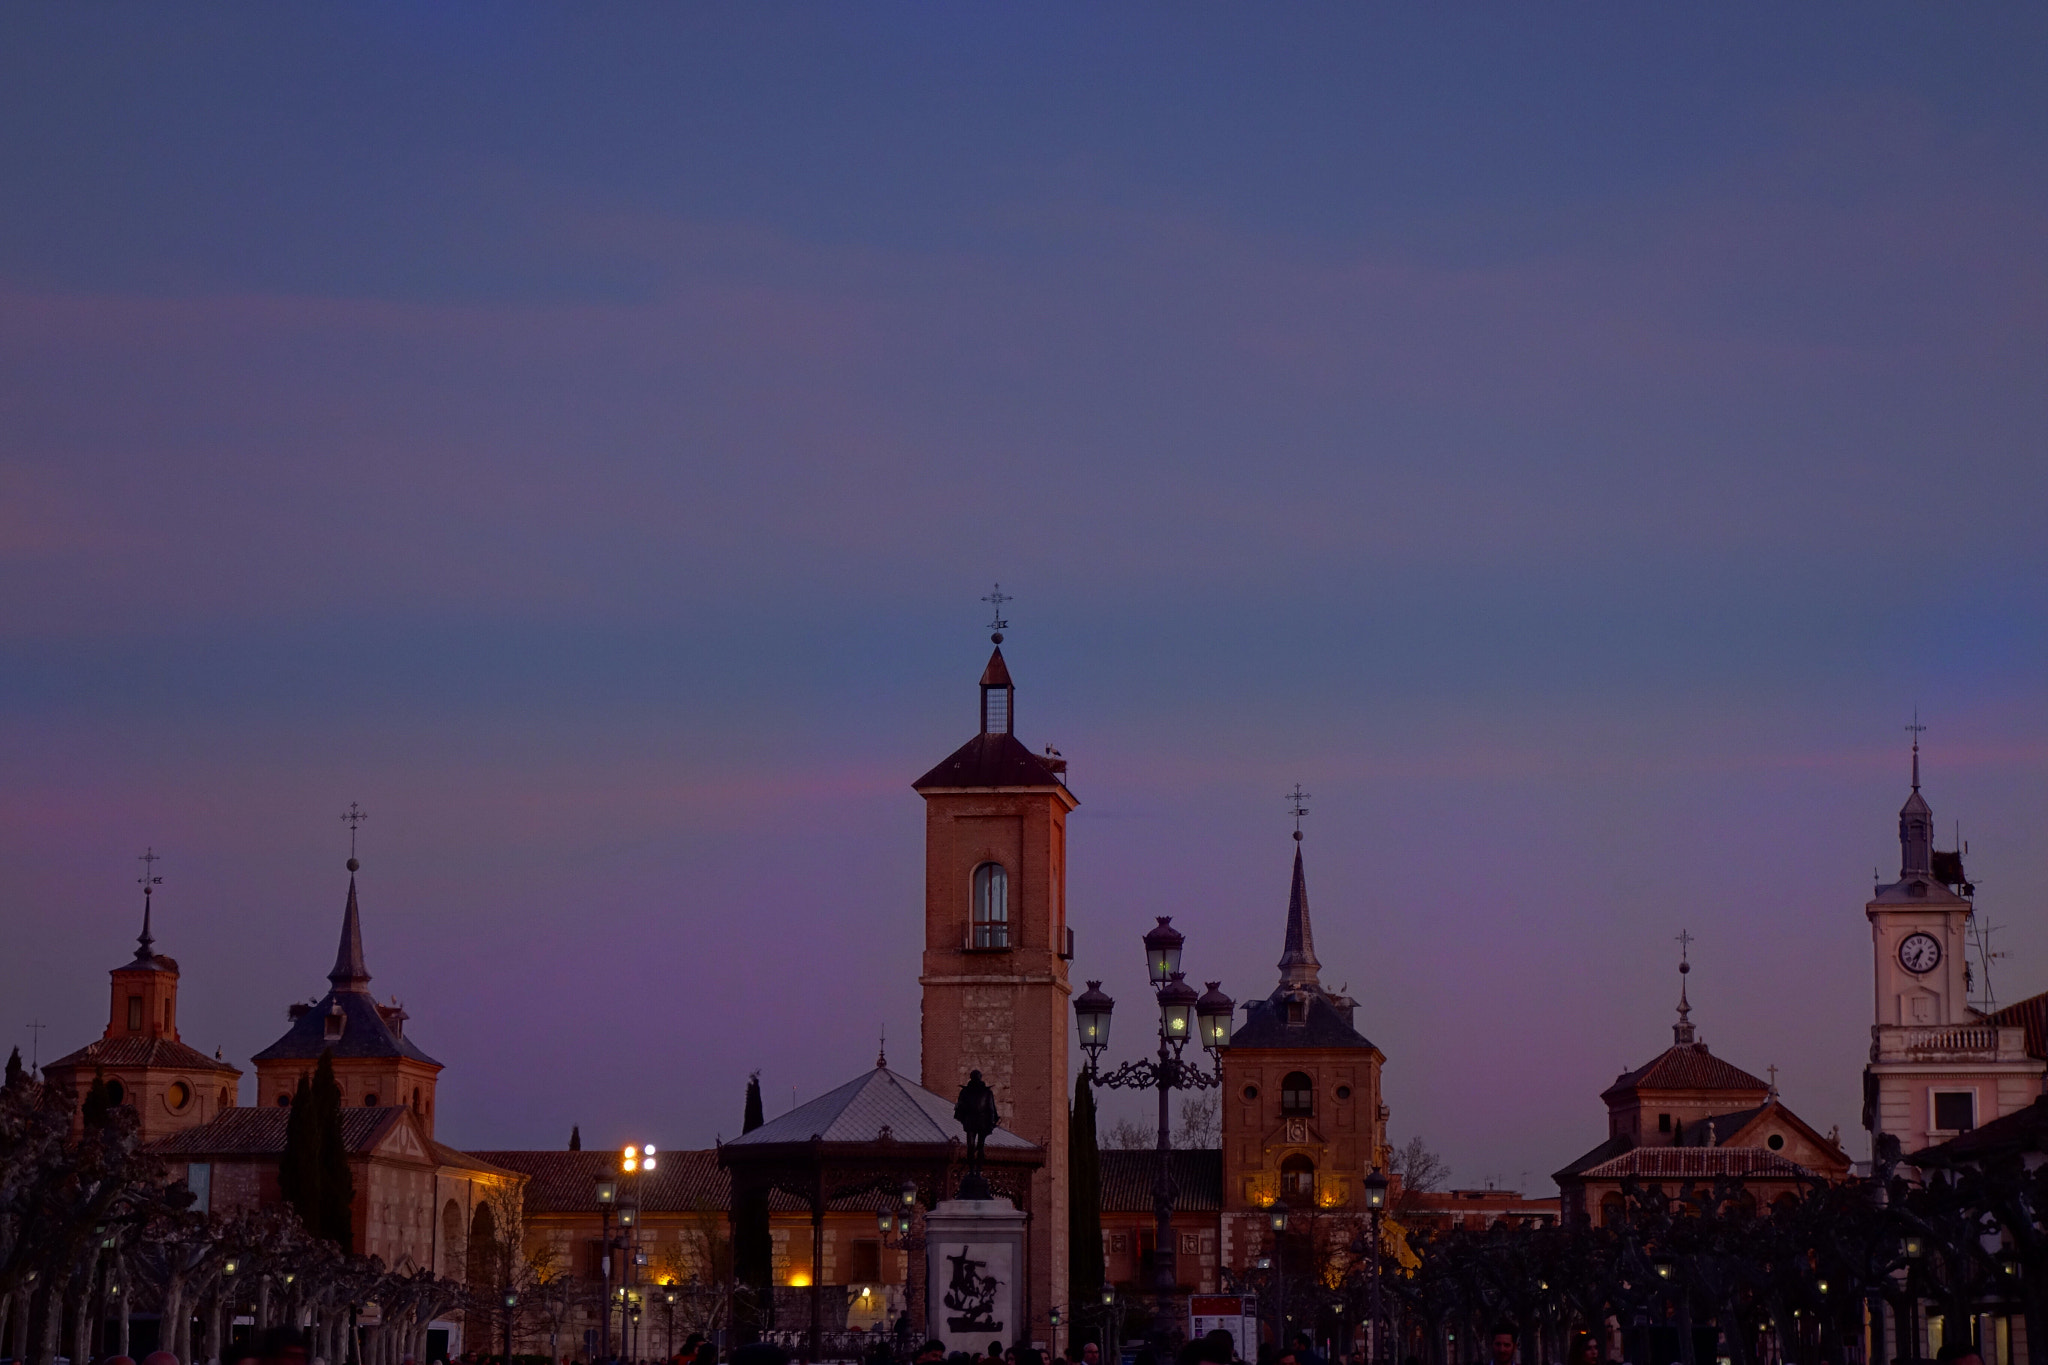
(1276, 1216)
(607, 1196)
(1375, 1201)
(1182, 1014)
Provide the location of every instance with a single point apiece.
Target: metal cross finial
(149, 858)
(1685, 942)
(35, 1033)
(996, 599)
(1914, 729)
(353, 817)
(1773, 1069)
(1297, 806)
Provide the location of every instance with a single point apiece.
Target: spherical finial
(353, 864)
(996, 638)
(1684, 968)
(1297, 836)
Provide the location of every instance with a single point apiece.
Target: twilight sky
(1569, 442)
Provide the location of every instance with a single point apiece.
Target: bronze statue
(976, 1112)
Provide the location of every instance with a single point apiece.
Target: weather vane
(1297, 806)
(353, 817)
(149, 858)
(998, 625)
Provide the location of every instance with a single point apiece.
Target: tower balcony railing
(1958, 1042)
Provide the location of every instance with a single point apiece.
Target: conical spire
(145, 945)
(1298, 965)
(350, 972)
(1916, 821)
(1683, 1032)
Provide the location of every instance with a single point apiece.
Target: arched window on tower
(1297, 1095)
(991, 906)
(1298, 1180)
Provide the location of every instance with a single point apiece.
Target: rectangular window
(135, 1014)
(864, 1265)
(1663, 1123)
(1955, 1111)
(199, 1180)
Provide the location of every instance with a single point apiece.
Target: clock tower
(1937, 1066)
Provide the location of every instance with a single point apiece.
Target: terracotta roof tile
(1686, 1066)
(2030, 1014)
(1127, 1180)
(997, 760)
(686, 1181)
(158, 1053)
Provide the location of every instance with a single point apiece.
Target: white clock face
(1919, 954)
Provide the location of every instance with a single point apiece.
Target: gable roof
(1729, 1130)
(159, 1054)
(1127, 1180)
(990, 760)
(862, 1110)
(260, 1132)
(1686, 1066)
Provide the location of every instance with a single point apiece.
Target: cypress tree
(15, 1074)
(753, 1249)
(575, 1137)
(298, 1169)
(335, 1202)
(1084, 1201)
(98, 1101)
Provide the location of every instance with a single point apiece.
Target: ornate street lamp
(1182, 1015)
(1276, 1219)
(511, 1302)
(1375, 1203)
(607, 1200)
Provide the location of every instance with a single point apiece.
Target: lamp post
(629, 1223)
(1182, 1015)
(1276, 1219)
(898, 1226)
(511, 1302)
(607, 1199)
(1375, 1204)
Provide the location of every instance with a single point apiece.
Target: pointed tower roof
(1298, 965)
(350, 972)
(997, 674)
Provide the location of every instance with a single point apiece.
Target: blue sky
(1570, 443)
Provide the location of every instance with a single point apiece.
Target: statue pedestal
(974, 1266)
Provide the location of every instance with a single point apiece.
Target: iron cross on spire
(1685, 942)
(997, 624)
(149, 858)
(353, 817)
(1914, 729)
(1297, 806)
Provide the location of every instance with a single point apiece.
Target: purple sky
(1569, 443)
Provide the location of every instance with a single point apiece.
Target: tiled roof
(1696, 1163)
(2030, 1014)
(1606, 1151)
(133, 1051)
(260, 1132)
(1686, 1066)
(363, 1033)
(863, 1108)
(987, 760)
(1716, 1129)
(1322, 1026)
(683, 1182)
(1127, 1180)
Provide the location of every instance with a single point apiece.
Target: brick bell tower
(996, 948)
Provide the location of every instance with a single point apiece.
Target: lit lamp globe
(1214, 1011)
(1177, 1001)
(607, 1191)
(628, 1215)
(1162, 951)
(1276, 1216)
(1091, 1017)
(1376, 1190)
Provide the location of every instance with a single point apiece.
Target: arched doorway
(483, 1248)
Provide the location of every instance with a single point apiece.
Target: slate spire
(350, 972)
(1298, 965)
